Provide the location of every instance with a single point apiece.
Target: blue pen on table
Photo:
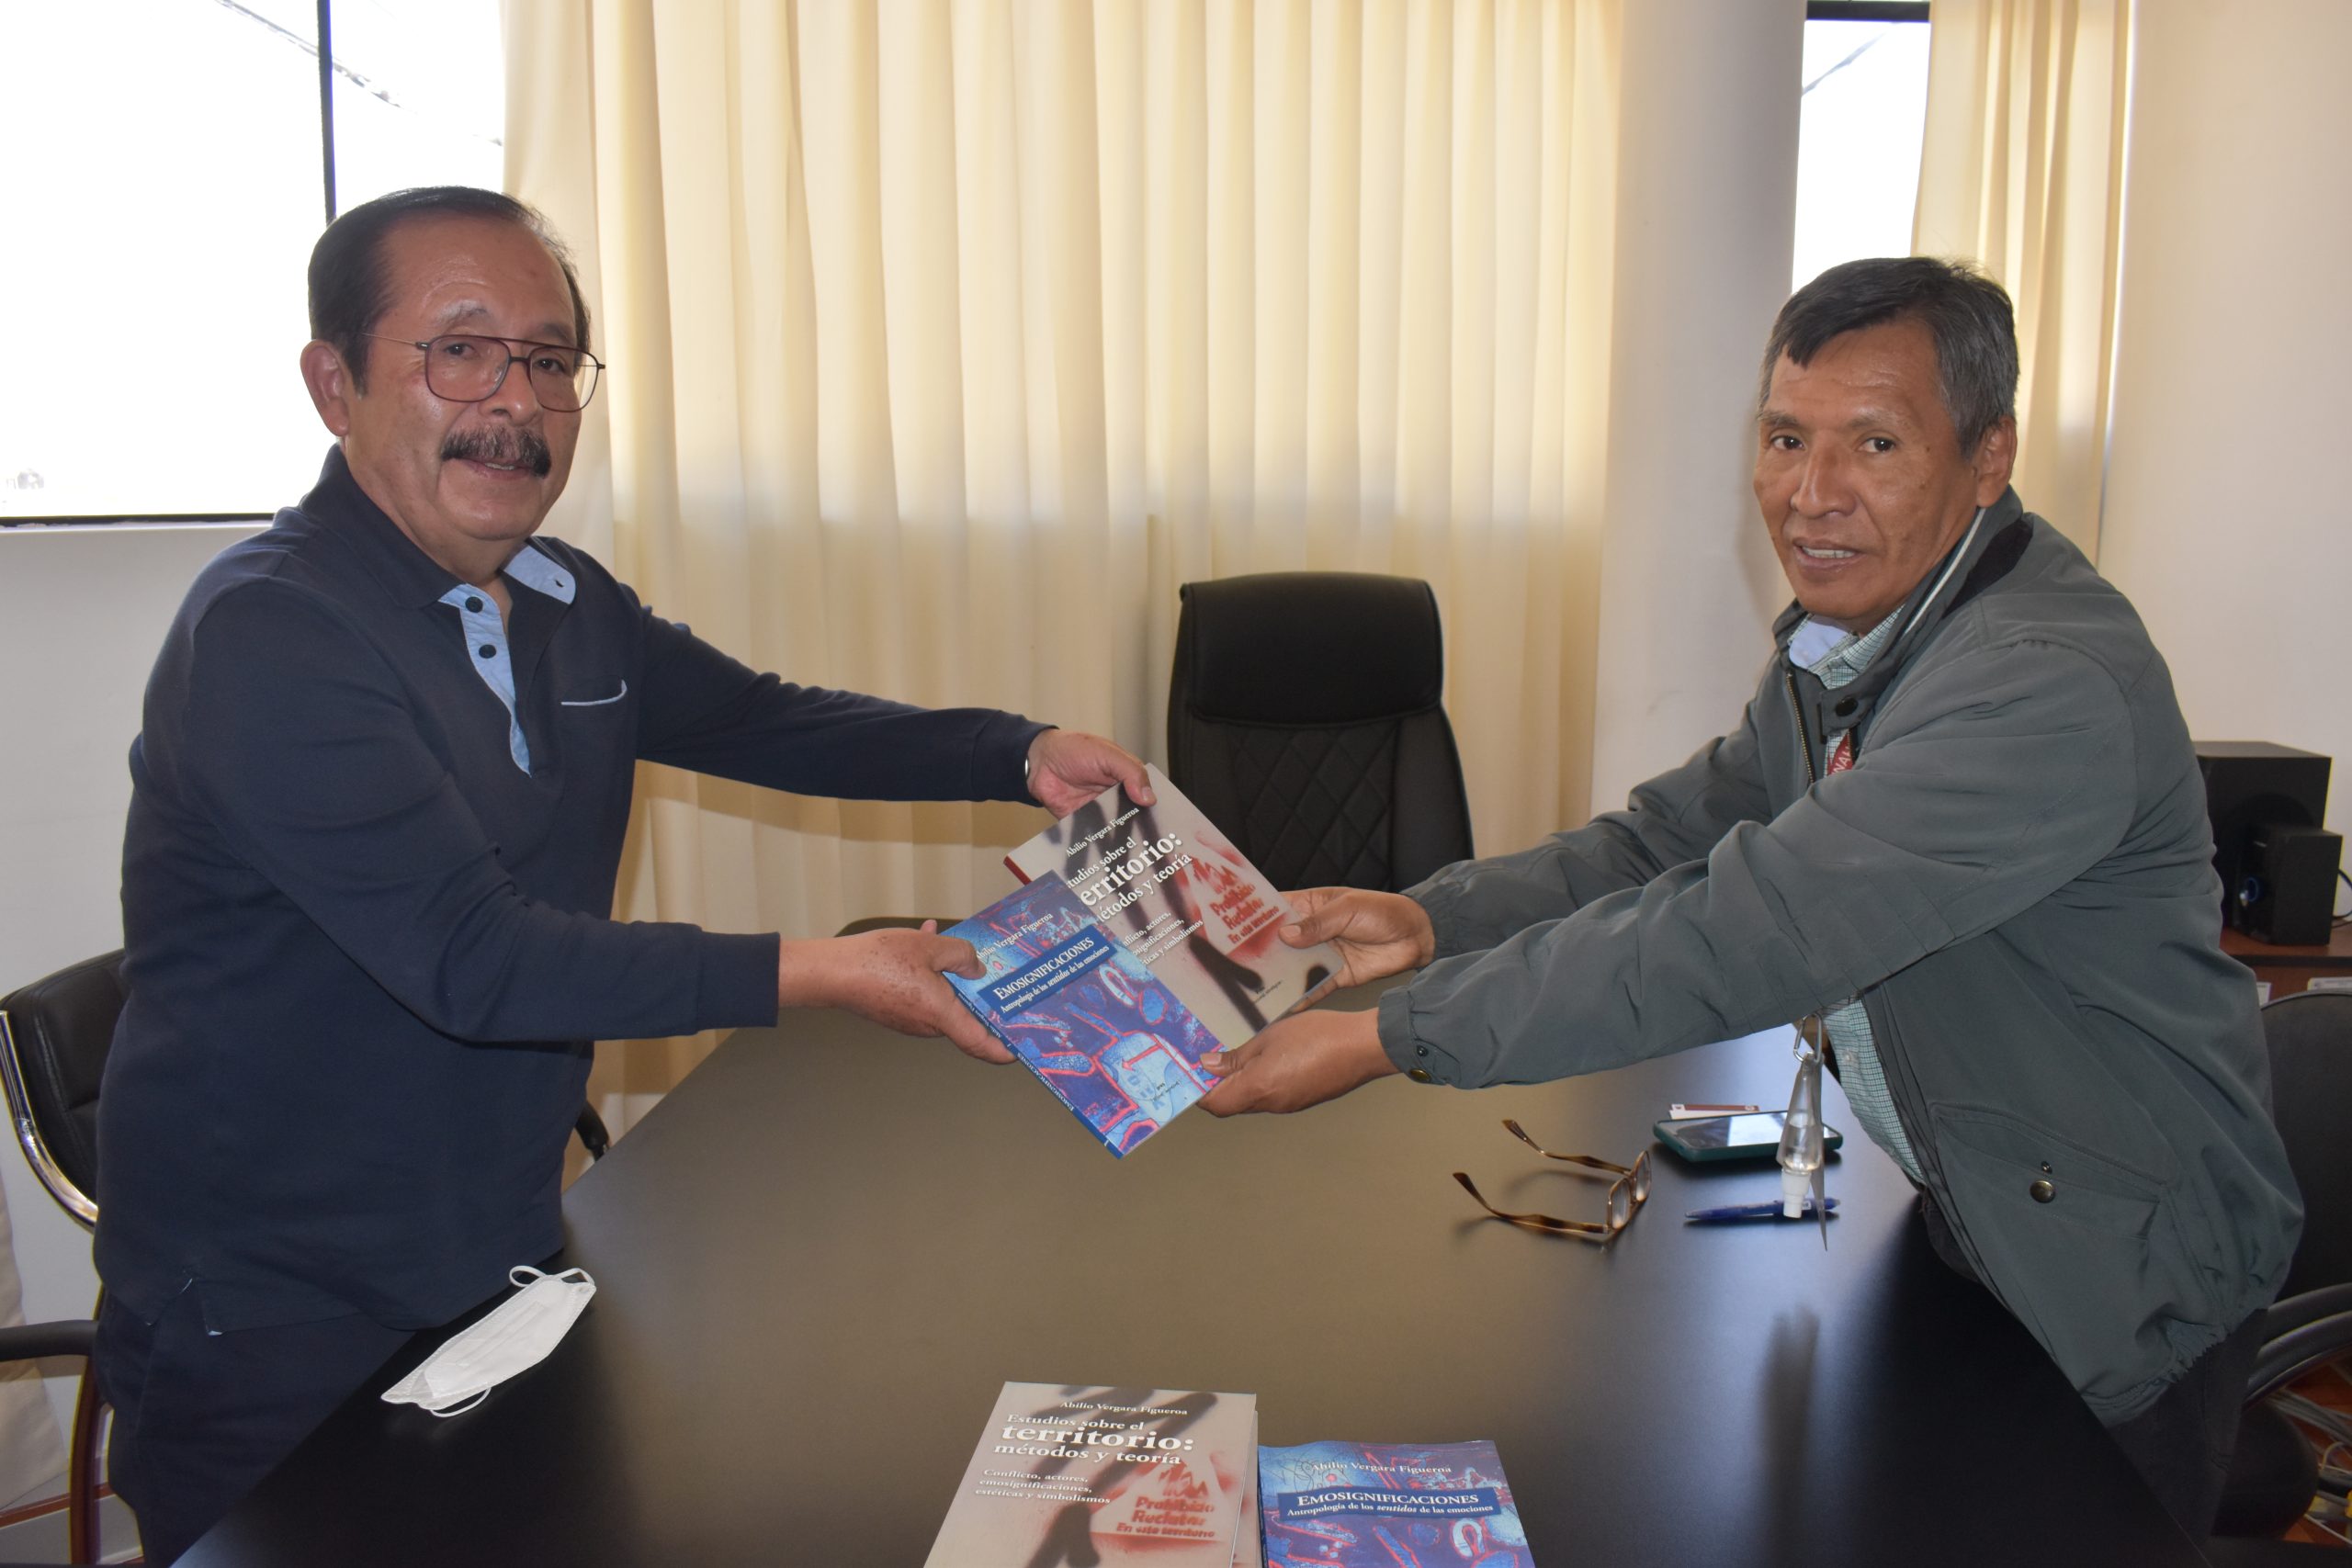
(1771, 1210)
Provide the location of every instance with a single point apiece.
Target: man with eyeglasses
(1961, 823)
(378, 800)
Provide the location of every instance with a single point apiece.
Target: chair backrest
(55, 1035)
(2310, 1036)
(1304, 719)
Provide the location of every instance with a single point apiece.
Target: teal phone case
(1667, 1133)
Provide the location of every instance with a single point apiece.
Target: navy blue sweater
(366, 949)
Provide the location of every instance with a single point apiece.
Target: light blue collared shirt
(485, 631)
(1838, 656)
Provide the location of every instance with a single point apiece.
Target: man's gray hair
(1965, 313)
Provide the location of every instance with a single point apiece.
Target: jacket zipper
(1804, 736)
(1884, 1039)
(1891, 1056)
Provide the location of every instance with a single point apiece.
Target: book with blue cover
(1380, 1505)
(1084, 1013)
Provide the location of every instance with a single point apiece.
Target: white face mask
(516, 1337)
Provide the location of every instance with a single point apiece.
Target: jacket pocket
(2086, 1252)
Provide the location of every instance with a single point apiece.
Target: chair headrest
(1310, 647)
(82, 999)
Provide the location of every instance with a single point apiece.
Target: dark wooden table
(819, 1258)
(2292, 969)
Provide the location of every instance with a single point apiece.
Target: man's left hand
(1303, 1060)
(1067, 769)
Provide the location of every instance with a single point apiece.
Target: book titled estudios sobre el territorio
(1142, 941)
(1116, 1477)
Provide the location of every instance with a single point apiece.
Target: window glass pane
(419, 95)
(1858, 147)
(163, 191)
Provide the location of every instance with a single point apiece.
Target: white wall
(1708, 168)
(2228, 517)
(81, 611)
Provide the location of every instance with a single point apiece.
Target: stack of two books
(1154, 1478)
(1142, 941)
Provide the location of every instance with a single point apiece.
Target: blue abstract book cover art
(1084, 1014)
(1388, 1505)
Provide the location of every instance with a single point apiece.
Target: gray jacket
(2016, 876)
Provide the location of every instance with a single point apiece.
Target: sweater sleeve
(305, 754)
(705, 710)
(1991, 783)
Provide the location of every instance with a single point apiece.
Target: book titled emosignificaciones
(1083, 1014)
(1379, 1505)
(1068, 1474)
(1142, 941)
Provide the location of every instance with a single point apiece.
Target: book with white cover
(1119, 1477)
(1178, 895)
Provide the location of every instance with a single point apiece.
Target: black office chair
(1304, 718)
(53, 1039)
(57, 1341)
(54, 1036)
(2275, 1475)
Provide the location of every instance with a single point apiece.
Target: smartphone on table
(1754, 1135)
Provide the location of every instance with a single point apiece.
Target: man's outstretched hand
(1067, 769)
(1303, 1060)
(891, 976)
(1318, 1054)
(1378, 934)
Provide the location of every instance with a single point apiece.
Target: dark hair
(1965, 313)
(348, 290)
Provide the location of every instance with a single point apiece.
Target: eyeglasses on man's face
(463, 368)
(1626, 1194)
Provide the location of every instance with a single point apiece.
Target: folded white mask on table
(516, 1337)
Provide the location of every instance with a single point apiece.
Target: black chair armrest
(593, 1137)
(2291, 1313)
(2299, 1334)
(893, 923)
(39, 1341)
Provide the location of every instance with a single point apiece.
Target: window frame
(322, 47)
(1866, 10)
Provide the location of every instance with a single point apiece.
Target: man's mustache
(511, 448)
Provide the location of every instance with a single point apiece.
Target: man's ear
(1996, 457)
(329, 380)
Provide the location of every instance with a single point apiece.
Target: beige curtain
(2022, 170)
(2230, 357)
(32, 1448)
(949, 338)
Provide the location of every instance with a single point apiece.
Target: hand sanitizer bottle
(1801, 1154)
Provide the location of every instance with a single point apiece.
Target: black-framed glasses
(462, 368)
(1626, 1194)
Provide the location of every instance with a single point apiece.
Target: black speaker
(2288, 893)
(2251, 785)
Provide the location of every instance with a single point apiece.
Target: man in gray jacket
(1961, 822)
